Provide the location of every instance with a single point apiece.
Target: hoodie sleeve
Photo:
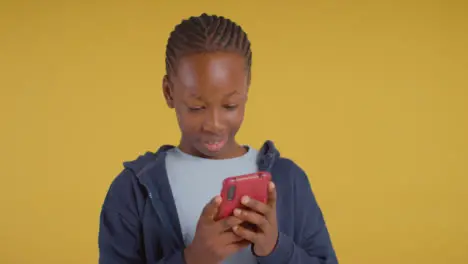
(120, 230)
(313, 244)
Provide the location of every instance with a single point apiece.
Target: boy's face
(209, 93)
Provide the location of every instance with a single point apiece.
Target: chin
(211, 154)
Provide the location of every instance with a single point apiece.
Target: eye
(195, 108)
(231, 106)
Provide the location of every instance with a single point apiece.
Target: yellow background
(370, 97)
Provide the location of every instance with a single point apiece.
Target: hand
(214, 240)
(263, 216)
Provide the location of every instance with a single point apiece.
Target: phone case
(254, 185)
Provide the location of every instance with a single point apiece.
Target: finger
(235, 247)
(247, 234)
(228, 223)
(255, 205)
(272, 195)
(252, 217)
(228, 238)
(211, 209)
(243, 243)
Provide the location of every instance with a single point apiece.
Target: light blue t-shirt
(195, 181)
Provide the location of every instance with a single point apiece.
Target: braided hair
(206, 33)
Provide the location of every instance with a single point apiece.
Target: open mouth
(214, 146)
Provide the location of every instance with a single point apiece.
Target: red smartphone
(254, 185)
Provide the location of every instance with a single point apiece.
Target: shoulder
(126, 194)
(287, 172)
(139, 164)
(289, 167)
(283, 169)
(128, 177)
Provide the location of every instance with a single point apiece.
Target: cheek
(186, 123)
(236, 118)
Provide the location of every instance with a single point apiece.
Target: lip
(214, 145)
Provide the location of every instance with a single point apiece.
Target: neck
(232, 150)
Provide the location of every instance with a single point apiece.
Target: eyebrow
(232, 93)
(198, 97)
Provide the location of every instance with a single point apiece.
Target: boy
(156, 210)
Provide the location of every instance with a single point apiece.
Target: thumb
(211, 209)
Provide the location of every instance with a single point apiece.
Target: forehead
(209, 74)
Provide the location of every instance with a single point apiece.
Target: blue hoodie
(139, 222)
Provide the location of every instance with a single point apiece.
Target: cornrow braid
(206, 33)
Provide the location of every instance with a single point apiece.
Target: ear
(168, 91)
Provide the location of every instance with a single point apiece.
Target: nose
(213, 122)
